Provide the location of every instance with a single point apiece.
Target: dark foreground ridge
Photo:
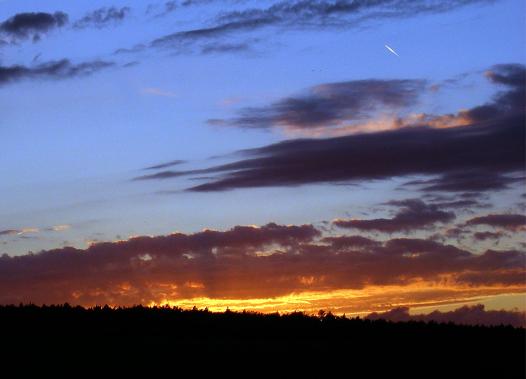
(161, 336)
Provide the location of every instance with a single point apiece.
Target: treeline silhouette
(161, 334)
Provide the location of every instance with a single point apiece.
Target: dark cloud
(165, 165)
(510, 75)
(303, 14)
(51, 70)
(167, 8)
(161, 175)
(102, 17)
(244, 262)
(180, 39)
(483, 236)
(331, 104)
(131, 64)
(506, 221)
(170, 6)
(308, 13)
(8, 232)
(495, 146)
(413, 215)
(225, 47)
(468, 315)
(346, 242)
(475, 180)
(462, 204)
(490, 146)
(457, 233)
(187, 3)
(32, 25)
(314, 14)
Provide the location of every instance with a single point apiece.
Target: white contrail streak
(391, 50)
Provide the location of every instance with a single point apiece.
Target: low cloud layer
(466, 315)
(247, 263)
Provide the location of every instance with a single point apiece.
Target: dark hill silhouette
(160, 336)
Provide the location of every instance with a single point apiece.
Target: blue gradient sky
(71, 146)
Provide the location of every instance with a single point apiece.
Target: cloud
(160, 175)
(102, 17)
(59, 228)
(170, 6)
(165, 165)
(18, 232)
(473, 180)
(226, 47)
(332, 104)
(32, 25)
(460, 204)
(187, 3)
(413, 215)
(303, 14)
(343, 242)
(487, 154)
(311, 13)
(336, 109)
(468, 315)
(495, 148)
(506, 221)
(249, 262)
(483, 236)
(8, 232)
(61, 69)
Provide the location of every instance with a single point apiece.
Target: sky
(268, 155)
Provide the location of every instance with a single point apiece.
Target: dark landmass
(163, 338)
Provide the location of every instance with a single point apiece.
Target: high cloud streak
(229, 27)
(307, 14)
(61, 69)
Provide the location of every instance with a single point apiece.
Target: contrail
(391, 50)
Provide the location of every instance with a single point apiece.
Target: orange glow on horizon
(422, 296)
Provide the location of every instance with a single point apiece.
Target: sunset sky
(267, 155)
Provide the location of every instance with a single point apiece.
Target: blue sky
(73, 141)
(70, 145)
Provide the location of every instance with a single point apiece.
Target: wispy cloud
(102, 17)
(61, 69)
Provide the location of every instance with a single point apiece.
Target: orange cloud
(267, 268)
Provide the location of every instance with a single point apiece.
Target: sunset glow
(357, 157)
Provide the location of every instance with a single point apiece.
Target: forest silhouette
(162, 334)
